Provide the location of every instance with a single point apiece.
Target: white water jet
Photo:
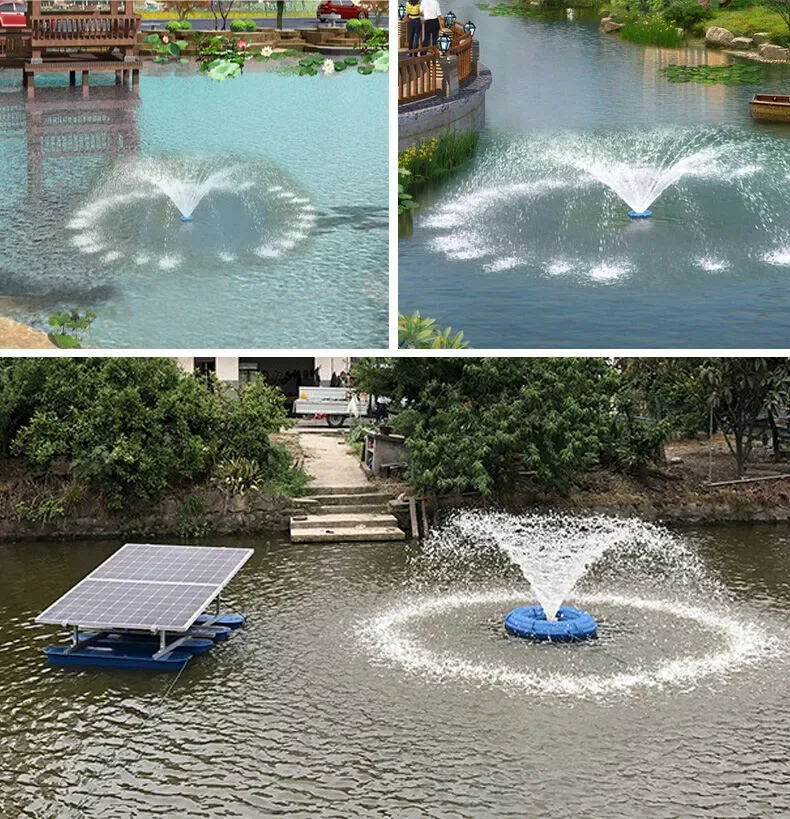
(639, 185)
(187, 189)
(554, 551)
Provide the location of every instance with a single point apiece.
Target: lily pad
(733, 74)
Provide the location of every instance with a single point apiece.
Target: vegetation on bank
(655, 22)
(133, 429)
(489, 425)
(436, 158)
(416, 332)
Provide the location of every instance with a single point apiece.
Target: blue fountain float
(644, 214)
(570, 625)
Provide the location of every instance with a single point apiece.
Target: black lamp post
(469, 28)
(444, 42)
(401, 11)
(449, 19)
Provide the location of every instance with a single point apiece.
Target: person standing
(430, 15)
(414, 24)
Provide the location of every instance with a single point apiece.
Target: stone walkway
(343, 505)
(330, 462)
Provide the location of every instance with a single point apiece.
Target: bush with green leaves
(134, 428)
(422, 333)
(174, 26)
(686, 13)
(243, 25)
(479, 424)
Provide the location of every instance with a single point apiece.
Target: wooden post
(424, 518)
(31, 85)
(117, 77)
(135, 77)
(85, 87)
(415, 528)
(72, 77)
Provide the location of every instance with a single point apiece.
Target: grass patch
(437, 157)
(745, 22)
(735, 74)
(652, 32)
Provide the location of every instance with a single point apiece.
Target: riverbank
(14, 336)
(676, 493)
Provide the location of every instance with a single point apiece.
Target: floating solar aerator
(146, 607)
(529, 622)
(640, 214)
(187, 218)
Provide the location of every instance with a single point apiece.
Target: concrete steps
(353, 498)
(347, 534)
(344, 514)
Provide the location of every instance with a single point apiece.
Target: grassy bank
(744, 22)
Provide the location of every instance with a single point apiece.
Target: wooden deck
(127, 71)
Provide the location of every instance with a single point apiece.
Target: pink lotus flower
(242, 44)
(165, 39)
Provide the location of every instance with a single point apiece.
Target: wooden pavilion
(96, 36)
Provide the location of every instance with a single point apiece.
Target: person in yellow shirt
(414, 23)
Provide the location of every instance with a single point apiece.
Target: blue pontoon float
(147, 607)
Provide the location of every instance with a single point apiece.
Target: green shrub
(134, 428)
(243, 25)
(174, 26)
(238, 475)
(686, 13)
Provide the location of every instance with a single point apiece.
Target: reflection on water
(519, 249)
(303, 714)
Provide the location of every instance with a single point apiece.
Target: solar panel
(182, 564)
(145, 586)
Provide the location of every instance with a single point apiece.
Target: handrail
(84, 29)
(419, 75)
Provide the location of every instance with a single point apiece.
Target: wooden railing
(419, 74)
(83, 30)
(462, 48)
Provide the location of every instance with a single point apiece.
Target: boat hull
(99, 657)
(770, 110)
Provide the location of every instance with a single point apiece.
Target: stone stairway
(352, 513)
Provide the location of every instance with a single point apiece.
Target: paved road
(207, 24)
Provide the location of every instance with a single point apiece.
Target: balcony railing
(419, 71)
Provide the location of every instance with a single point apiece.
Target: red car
(13, 15)
(347, 9)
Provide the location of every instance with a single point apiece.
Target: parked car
(13, 15)
(347, 9)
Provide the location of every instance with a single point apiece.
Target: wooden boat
(770, 107)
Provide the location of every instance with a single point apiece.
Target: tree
(182, 8)
(738, 391)
(481, 423)
(658, 399)
(280, 13)
(222, 8)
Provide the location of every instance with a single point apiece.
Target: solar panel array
(151, 587)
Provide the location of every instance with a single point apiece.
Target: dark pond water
(365, 685)
(530, 245)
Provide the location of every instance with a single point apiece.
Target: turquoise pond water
(530, 244)
(288, 247)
